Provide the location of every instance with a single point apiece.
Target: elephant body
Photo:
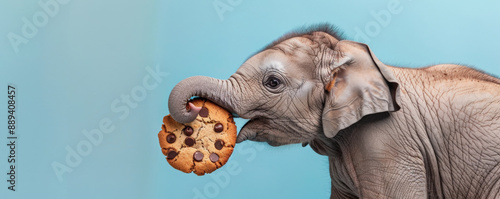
(389, 132)
(444, 142)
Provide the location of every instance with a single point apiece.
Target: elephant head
(303, 86)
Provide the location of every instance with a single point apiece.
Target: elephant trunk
(215, 90)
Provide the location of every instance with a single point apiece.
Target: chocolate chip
(171, 154)
(198, 156)
(189, 141)
(214, 157)
(171, 138)
(188, 131)
(218, 127)
(219, 144)
(203, 112)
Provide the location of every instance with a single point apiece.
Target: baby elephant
(389, 132)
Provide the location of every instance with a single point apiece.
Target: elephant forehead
(298, 42)
(298, 57)
(294, 45)
(291, 66)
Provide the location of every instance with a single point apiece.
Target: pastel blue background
(92, 52)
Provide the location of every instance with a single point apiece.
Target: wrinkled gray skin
(389, 132)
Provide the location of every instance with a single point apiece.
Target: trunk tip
(193, 109)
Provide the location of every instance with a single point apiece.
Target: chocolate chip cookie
(203, 145)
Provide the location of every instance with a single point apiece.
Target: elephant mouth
(259, 129)
(245, 133)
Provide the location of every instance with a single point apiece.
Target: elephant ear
(358, 84)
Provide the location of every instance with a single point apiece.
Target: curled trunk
(215, 90)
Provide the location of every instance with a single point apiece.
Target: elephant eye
(272, 82)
